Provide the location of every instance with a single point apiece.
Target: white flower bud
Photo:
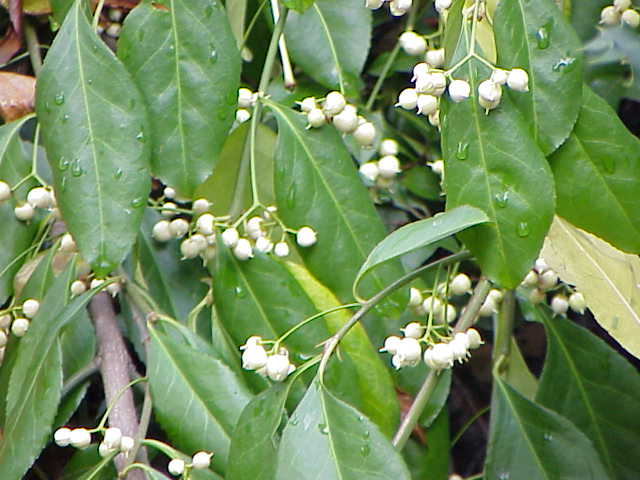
(19, 327)
(559, 304)
(373, 4)
(126, 444)
(204, 224)
(104, 450)
(161, 231)
(230, 237)
(200, 205)
(190, 248)
(3, 338)
(178, 227)
(391, 344)
(209, 253)
(518, 80)
(441, 356)
(5, 191)
(459, 348)
(412, 43)
(306, 237)
(114, 289)
(62, 437)
(488, 308)
(334, 103)
(246, 98)
(399, 7)
(278, 367)
(389, 166)
(30, 308)
(365, 134)
(114, 30)
(201, 460)
(281, 249)
(420, 70)
(531, 280)
(460, 284)
(264, 245)
(176, 467)
(39, 197)
(540, 265)
(252, 341)
(389, 146)
(459, 90)
(316, 118)
(499, 76)
(631, 18)
(548, 280)
(24, 212)
(437, 167)
(451, 312)
(254, 227)
(169, 209)
(577, 302)
(169, 192)
(5, 321)
(369, 171)
(610, 16)
(80, 437)
(408, 99)
(95, 283)
(78, 287)
(475, 340)
(495, 296)
(242, 115)
(408, 352)
(243, 251)
(442, 5)
(112, 437)
(489, 91)
(536, 296)
(254, 357)
(432, 305)
(347, 120)
(308, 104)
(67, 243)
(415, 297)
(621, 5)
(414, 330)
(435, 58)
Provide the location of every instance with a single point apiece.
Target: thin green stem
(145, 419)
(96, 15)
(80, 376)
(192, 319)
(103, 421)
(333, 341)
(470, 422)
(304, 322)
(503, 329)
(33, 47)
(252, 23)
(466, 320)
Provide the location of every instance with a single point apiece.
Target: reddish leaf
(16, 95)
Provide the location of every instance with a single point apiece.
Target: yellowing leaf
(608, 278)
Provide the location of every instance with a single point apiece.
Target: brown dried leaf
(17, 94)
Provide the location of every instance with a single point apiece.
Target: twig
(114, 372)
(287, 70)
(502, 330)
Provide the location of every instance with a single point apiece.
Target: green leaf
(493, 163)
(36, 380)
(342, 442)
(585, 17)
(420, 234)
(298, 5)
(608, 279)
(330, 42)
(432, 462)
(60, 8)
(597, 175)
(529, 441)
(183, 56)
(197, 398)
(15, 236)
(423, 182)
(536, 36)
(317, 184)
(93, 126)
(173, 283)
(581, 376)
(87, 464)
(253, 451)
(517, 373)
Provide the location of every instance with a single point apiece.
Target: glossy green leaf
(536, 36)
(36, 380)
(517, 373)
(420, 234)
(493, 163)
(343, 443)
(582, 377)
(87, 464)
(173, 283)
(197, 407)
(93, 126)
(298, 5)
(529, 441)
(15, 236)
(60, 8)
(253, 452)
(431, 462)
(585, 18)
(317, 184)
(597, 175)
(183, 56)
(330, 42)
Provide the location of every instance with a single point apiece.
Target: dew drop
(76, 168)
(90, 81)
(140, 136)
(59, 98)
(240, 293)
(502, 198)
(63, 184)
(294, 421)
(63, 164)
(324, 430)
(365, 450)
(523, 229)
(504, 476)
(565, 64)
(118, 174)
(213, 56)
(171, 48)
(609, 164)
(137, 202)
(463, 151)
(542, 37)
(366, 434)
(548, 437)
(65, 118)
(104, 266)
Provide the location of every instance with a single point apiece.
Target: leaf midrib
(332, 47)
(532, 78)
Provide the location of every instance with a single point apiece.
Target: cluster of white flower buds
(38, 197)
(435, 304)
(114, 25)
(383, 171)
(199, 461)
(407, 351)
(17, 321)
(246, 101)
(542, 280)
(620, 12)
(112, 442)
(274, 364)
(397, 8)
(344, 117)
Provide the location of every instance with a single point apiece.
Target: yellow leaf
(608, 278)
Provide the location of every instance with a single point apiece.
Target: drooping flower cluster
(17, 321)
(397, 8)
(38, 197)
(383, 171)
(621, 11)
(199, 461)
(274, 364)
(334, 109)
(246, 101)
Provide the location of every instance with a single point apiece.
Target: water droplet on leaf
(137, 202)
(140, 136)
(365, 450)
(63, 164)
(609, 164)
(523, 229)
(463, 151)
(565, 65)
(118, 173)
(542, 37)
(65, 118)
(324, 430)
(76, 168)
(502, 198)
(213, 56)
(548, 437)
(59, 99)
